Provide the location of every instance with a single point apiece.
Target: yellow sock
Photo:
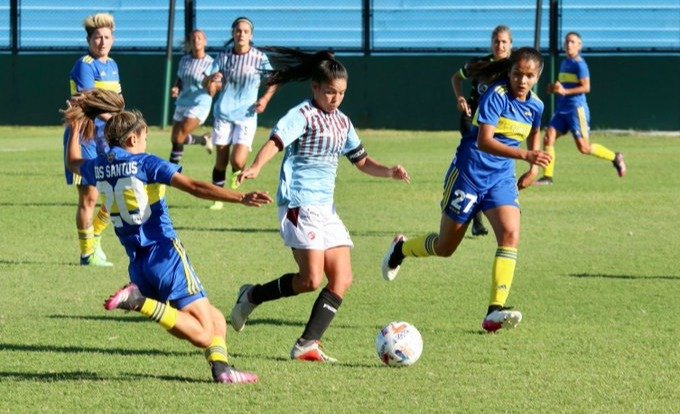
(217, 351)
(100, 221)
(422, 246)
(602, 152)
(86, 241)
(502, 274)
(165, 315)
(550, 168)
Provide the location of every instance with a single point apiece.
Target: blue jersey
(241, 75)
(571, 73)
(313, 141)
(191, 72)
(132, 188)
(513, 120)
(89, 73)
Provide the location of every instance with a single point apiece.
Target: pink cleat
(127, 298)
(226, 374)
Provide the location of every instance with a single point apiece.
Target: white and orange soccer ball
(399, 344)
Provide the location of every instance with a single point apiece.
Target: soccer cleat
(217, 205)
(225, 374)
(98, 248)
(242, 309)
(501, 319)
(619, 164)
(390, 265)
(208, 143)
(94, 261)
(233, 180)
(127, 298)
(311, 353)
(544, 181)
(478, 228)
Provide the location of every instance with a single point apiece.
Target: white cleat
(242, 309)
(501, 319)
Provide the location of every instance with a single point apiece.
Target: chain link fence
(350, 26)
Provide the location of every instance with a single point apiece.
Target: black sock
(176, 153)
(397, 256)
(276, 289)
(493, 308)
(218, 177)
(323, 312)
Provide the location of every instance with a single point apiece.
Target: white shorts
(196, 112)
(313, 228)
(237, 132)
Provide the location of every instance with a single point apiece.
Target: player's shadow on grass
(112, 318)
(91, 376)
(624, 277)
(35, 262)
(225, 230)
(81, 349)
(39, 204)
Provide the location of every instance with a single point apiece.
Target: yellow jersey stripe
(564, 77)
(113, 86)
(511, 129)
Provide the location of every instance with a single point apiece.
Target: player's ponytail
(85, 107)
(294, 65)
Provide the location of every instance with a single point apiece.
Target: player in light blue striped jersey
(482, 177)
(193, 103)
(236, 75)
(313, 135)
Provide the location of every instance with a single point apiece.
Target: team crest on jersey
(481, 88)
(311, 235)
(110, 157)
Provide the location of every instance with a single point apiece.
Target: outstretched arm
(74, 156)
(209, 191)
(369, 166)
(264, 155)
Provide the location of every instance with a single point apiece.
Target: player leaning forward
(482, 177)
(164, 287)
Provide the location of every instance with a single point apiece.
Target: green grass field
(596, 280)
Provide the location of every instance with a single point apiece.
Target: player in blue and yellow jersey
(572, 112)
(95, 70)
(132, 183)
(501, 47)
(193, 103)
(313, 136)
(236, 75)
(482, 177)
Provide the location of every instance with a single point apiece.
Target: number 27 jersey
(132, 187)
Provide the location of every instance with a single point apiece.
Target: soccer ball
(399, 344)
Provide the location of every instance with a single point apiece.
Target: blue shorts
(89, 149)
(577, 121)
(163, 272)
(462, 200)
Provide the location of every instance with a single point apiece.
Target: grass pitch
(597, 280)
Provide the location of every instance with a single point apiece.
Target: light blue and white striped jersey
(313, 141)
(191, 72)
(240, 83)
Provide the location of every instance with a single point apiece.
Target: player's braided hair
(490, 72)
(121, 125)
(85, 107)
(294, 65)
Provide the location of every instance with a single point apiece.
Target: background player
(164, 285)
(95, 70)
(313, 134)
(501, 46)
(572, 112)
(236, 75)
(482, 177)
(192, 106)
